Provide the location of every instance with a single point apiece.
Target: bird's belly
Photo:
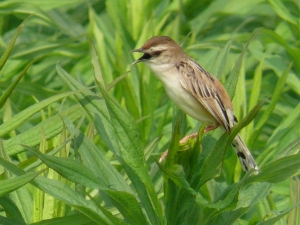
(188, 103)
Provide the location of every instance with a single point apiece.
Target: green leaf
(281, 129)
(22, 196)
(32, 136)
(66, 194)
(96, 66)
(227, 201)
(9, 185)
(58, 30)
(177, 175)
(200, 21)
(10, 47)
(8, 221)
(128, 139)
(229, 197)
(70, 169)
(174, 143)
(20, 8)
(294, 215)
(125, 202)
(256, 88)
(279, 170)
(38, 50)
(24, 115)
(221, 62)
(291, 149)
(278, 217)
(283, 11)
(11, 209)
(151, 147)
(274, 100)
(251, 194)
(94, 160)
(232, 79)
(96, 109)
(293, 51)
(128, 207)
(10, 89)
(78, 219)
(11, 167)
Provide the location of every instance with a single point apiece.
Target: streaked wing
(208, 91)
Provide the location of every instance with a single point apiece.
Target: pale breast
(182, 98)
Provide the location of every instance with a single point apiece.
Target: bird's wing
(208, 91)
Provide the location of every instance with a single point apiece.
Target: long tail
(246, 159)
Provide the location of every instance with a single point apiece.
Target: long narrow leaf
(279, 170)
(278, 217)
(274, 100)
(128, 206)
(231, 81)
(77, 219)
(221, 61)
(132, 153)
(66, 194)
(94, 159)
(70, 169)
(10, 89)
(32, 137)
(10, 47)
(21, 117)
(95, 108)
(9, 185)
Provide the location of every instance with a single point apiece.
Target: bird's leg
(194, 135)
(181, 142)
(186, 138)
(163, 156)
(209, 128)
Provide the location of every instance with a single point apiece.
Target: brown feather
(208, 91)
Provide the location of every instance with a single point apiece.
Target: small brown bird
(193, 90)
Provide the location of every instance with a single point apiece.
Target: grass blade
(11, 87)
(51, 127)
(279, 170)
(9, 185)
(232, 79)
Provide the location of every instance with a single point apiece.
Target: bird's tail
(246, 159)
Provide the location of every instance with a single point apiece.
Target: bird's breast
(181, 97)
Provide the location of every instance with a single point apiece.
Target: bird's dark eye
(157, 53)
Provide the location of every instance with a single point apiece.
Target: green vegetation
(82, 131)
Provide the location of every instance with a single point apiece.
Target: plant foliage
(82, 132)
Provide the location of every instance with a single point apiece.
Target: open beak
(140, 59)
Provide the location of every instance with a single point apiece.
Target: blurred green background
(252, 46)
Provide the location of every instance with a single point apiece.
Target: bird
(194, 90)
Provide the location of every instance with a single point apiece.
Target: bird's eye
(157, 53)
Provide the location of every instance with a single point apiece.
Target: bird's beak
(137, 50)
(140, 59)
